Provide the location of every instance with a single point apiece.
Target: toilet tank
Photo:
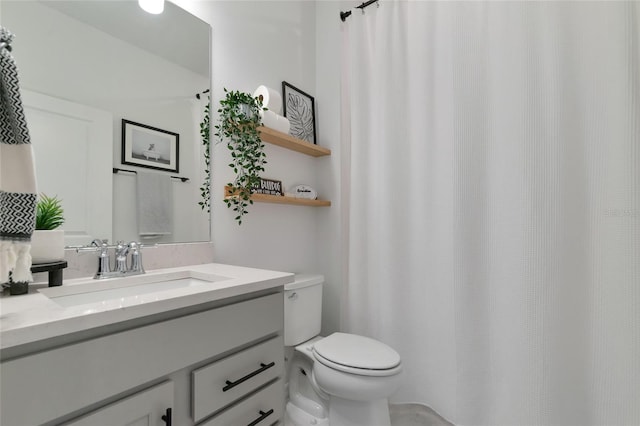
(302, 308)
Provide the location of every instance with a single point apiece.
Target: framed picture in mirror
(147, 146)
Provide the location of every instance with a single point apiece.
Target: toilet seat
(356, 354)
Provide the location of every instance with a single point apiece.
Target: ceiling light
(152, 6)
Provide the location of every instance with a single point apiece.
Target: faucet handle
(136, 255)
(122, 250)
(121, 247)
(104, 264)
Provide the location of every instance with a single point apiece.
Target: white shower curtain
(494, 207)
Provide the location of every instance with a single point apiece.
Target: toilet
(339, 380)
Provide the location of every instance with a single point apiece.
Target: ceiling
(173, 35)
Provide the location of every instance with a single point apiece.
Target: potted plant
(47, 241)
(238, 126)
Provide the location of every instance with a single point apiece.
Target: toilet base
(343, 412)
(295, 416)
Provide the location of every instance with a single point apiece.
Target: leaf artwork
(300, 117)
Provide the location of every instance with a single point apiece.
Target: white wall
(266, 42)
(258, 43)
(331, 227)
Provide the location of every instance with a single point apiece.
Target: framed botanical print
(300, 111)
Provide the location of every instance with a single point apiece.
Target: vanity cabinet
(149, 407)
(214, 365)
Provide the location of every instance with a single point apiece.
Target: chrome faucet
(121, 251)
(121, 257)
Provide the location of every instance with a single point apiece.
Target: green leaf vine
(205, 189)
(239, 120)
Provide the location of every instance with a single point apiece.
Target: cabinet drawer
(219, 384)
(264, 408)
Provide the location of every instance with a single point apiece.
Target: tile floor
(415, 415)
(401, 415)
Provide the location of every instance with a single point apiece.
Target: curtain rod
(345, 15)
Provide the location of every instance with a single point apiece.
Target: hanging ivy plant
(205, 189)
(239, 121)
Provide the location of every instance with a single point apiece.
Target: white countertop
(33, 317)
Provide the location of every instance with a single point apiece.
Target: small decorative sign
(304, 191)
(269, 187)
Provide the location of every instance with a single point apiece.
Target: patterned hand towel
(17, 174)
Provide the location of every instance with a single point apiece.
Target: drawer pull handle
(263, 415)
(166, 418)
(262, 368)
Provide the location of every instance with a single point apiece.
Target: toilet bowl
(339, 380)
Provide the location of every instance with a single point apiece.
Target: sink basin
(130, 288)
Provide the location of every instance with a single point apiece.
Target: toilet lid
(358, 352)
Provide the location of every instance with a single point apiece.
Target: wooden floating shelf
(289, 142)
(277, 199)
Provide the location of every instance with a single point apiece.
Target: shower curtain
(494, 205)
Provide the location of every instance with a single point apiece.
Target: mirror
(84, 67)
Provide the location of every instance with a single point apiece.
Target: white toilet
(338, 380)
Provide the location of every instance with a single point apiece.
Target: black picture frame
(150, 147)
(299, 108)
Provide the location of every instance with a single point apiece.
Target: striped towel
(17, 174)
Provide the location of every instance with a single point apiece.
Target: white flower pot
(47, 246)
